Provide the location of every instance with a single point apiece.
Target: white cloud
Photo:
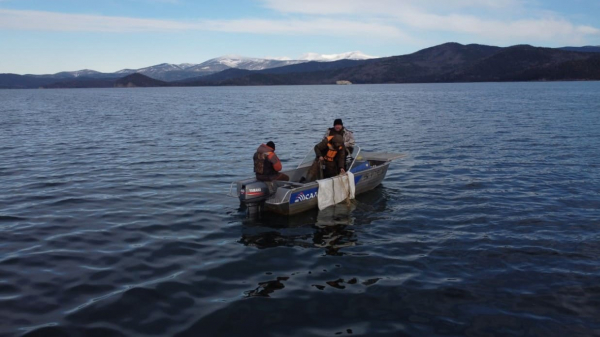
(376, 19)
(52, 21)
(448, 17)
(314, 26)
(539, 29)
(379, 7)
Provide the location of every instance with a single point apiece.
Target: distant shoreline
(302, 85)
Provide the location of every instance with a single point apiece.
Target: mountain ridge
(448, 62)
(175, 72)
(585, 49)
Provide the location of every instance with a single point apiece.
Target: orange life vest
(331, 152)
(262, 164)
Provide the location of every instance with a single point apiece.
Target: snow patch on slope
(353, 55)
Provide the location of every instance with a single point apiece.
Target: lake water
(114, 218)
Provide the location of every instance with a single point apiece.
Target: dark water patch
(7, 289)
(71, 201)
(72, 331)
(9, 218)
(176, 248)
(88, 289)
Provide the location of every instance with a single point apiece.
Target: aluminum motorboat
(292, 197)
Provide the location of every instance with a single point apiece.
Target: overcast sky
(47, 36)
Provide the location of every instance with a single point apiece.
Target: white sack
(335, 190)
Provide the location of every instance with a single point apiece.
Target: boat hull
(300, 199)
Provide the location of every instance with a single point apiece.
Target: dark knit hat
(271, 145)
(338, 122)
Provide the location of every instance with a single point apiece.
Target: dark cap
(271, 145)
(338, 122)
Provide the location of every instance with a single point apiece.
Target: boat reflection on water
(334, 230)
(331, 229)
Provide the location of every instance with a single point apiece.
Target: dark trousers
(278, 177)
(331, 170)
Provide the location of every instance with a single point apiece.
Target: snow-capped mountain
(165, 71)
(353, 55)
(125, 71)
(78, 73)
(83, 73)
(175, 72)
(186, 65)
(159, 69)
(240, 62)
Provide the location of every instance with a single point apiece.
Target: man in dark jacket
(267, 165)
(331, 153)
(339, 129)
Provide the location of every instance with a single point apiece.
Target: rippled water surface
(114, 218)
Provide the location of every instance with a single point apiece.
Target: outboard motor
(253, 195)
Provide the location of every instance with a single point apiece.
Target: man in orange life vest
(339, 129)
(330, 152)
(267, 164)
